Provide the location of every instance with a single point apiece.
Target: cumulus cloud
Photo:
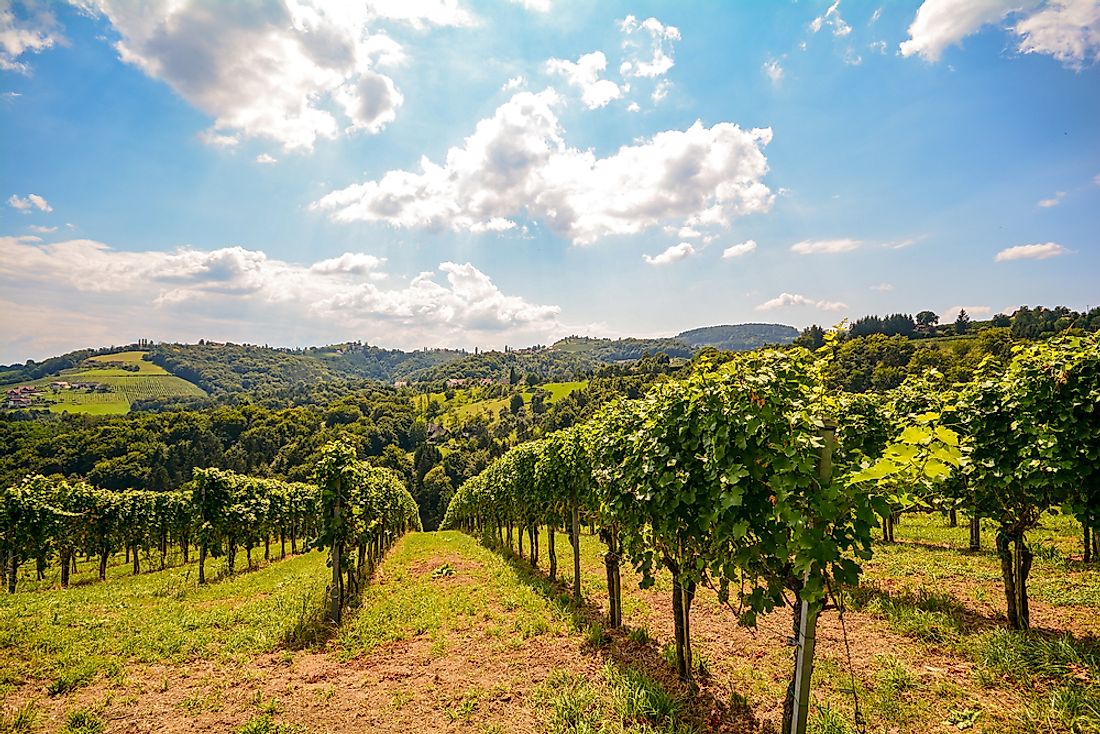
(739, 250)
(786, 300)
(1053, 201)
(584, 74)
(942, 23)
(32, 30)
(883, 287)
(673, 254)
(1068, 30)
(267, 159)
(288, 70)
(188, 292)
(832, 19)
(28, 202)
(830, 247)
(1031, 252)
(774, 71)
(649, 46)
(513, 84)
(517, 163)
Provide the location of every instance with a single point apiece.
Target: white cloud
(878, 46)
(538, 6)
(633, 107)
(1068, 30)
(354, 263)
(739, 250)
(942, 23)
(774, 71)
(817, 247)
(1053, 201)
(674, 253)
(883, 287)
(218, 140)
(1031, 252)
(235, 293)
(584, 74)
(267, 159)
(1096, 179)
(950, 314)
(514, 83)
(289, 70)
(33, 30)
(831, 18)
(875, 16)
(516, 163)
(903, 243)
(659, 50)
(30, 201)
(786, 300)
(660, 91)
(42, 230)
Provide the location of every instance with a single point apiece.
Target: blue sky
(488, 172)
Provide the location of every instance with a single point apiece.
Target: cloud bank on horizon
(384, 165)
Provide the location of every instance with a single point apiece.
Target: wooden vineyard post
(336, 599)
(807, 622)
(575, 537)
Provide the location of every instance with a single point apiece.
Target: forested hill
(739, 337)
(227, 368)
(622, 350)
(235, 368)
(539, 364)
(357, 360)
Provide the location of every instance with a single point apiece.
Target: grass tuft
(83, 721)
(22, 721)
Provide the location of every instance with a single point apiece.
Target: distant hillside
(620, 350)
(739, 337)
(359, 360)
(230, 368)
(547, 365)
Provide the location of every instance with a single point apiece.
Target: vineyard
(815, 560)
(127, 377)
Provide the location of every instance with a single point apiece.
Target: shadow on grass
(702, 709)
(928, 615)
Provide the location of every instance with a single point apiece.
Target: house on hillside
(437, 433)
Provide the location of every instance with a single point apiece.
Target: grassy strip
(66, 638)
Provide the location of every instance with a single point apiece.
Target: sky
(482, 173)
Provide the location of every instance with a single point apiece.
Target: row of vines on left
(52, 521)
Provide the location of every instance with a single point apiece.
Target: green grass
(406, 601)
(621, 700)
(68, 637)
(130, 358)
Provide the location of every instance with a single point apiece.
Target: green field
(126, 386)
(490, 409)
